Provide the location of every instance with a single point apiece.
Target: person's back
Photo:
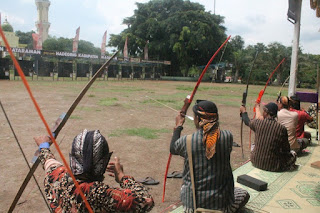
(211, 148)
(214, 178)
(289, 119)
(272, 149)
(89, 160)
(303, 117)
(271, 145)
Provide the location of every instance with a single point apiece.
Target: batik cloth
(63, 196)
(89, 155)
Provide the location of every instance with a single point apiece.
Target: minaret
(43, 9)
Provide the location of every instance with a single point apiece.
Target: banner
(125, 48)
(146, 56)
(103, 44)
(76, 41)
(35, 38)
(48, 53)
(39, 40)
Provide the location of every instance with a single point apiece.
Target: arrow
(191, 118)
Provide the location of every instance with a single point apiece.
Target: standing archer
(211, 148)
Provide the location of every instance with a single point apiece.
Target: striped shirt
(213, 178)
(272, 149)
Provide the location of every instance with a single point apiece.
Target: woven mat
(297, 191)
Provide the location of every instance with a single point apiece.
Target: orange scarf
(211, 132)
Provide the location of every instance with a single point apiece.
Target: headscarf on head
(208, 114)
(89, 156)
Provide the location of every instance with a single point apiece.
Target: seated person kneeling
(272, 149)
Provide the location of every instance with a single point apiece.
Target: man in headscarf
(289, 119)
(272, 149)
(211, 148)
(303, 117)
(89, 159)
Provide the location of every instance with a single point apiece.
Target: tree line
(185, 34)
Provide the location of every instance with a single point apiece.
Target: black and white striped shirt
(213, 178)
(272, 149)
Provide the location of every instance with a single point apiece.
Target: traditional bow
(24, 156)
(185, 107)
(244, 101)
(56, 132)
(279, 93)
(261, 94)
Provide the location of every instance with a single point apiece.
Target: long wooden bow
(244, 102)
(261, 94)
(56, 132)
(185, 107)
(279, 93)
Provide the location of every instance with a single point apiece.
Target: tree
(237, 56)
(58, 44)
(276, 52)
(65, 45)
(7, 28)
(25, 38)
(179, 31)
(88, 48)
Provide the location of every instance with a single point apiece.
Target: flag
(103, 44)
(146, 56)
(35, 38)
(125, 49)
(76, 41)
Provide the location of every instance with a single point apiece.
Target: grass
(190, 88)
(107, 101)
(143, 132)
(88, 109)
(75, 117)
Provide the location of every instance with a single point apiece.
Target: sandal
(175, 174)
(149, 181)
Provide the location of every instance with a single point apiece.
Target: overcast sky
(263, 21)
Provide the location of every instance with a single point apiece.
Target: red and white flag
(0, 25)
(103, 44)
(125, 49)
(76, 41)
(146, 56)
(37, 38)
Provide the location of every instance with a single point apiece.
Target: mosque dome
(6, 26)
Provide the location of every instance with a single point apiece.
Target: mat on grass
(297, 191)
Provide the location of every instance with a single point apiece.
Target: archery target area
(4, 68)
(69, 69)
